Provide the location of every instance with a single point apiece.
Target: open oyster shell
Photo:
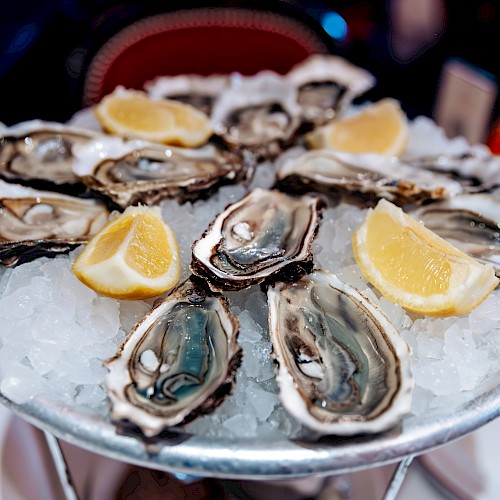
(35, 223)
(368, 175)
(196, 90)
(259, 113)
(327, 84)
(342, 366)
(178, 362)
(476, 170)
(39, 154)
(131, 172)
(264, 235)
(471, 222)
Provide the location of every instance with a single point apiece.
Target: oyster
(326, 84)
(342, 366)
(179, 361)
(266, 233)
(199, 91)
(259, 113)
(332, 172)
(39, 154)
(476, 170)
(471, 222)
(134, 172)
(35, 224)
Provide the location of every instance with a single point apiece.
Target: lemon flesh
(412, 266)
(380, 128)
(135, 256)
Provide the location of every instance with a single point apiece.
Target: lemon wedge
(412, 266)
(135, 256)
(380, 128)
(132, 113)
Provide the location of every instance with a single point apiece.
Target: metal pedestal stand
(67, 485)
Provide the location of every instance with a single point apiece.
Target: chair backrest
(199, 41)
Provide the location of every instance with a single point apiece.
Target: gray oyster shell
(264, 235)
(476, 170)
(342, 366)
(258, 113)
(470, 222)
(368, 175)
(132, 172)
(327, 84)
(196, 90)
(179, 361)
(35, 224)
(40, 154)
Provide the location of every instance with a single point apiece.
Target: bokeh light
(334, 24)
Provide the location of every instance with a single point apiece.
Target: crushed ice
(56, 332)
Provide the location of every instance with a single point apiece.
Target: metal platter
(265, 459)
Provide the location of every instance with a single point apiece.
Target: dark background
(48, 45)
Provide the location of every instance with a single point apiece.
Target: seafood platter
(273, 355)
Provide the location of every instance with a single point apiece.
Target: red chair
(199, 41)
(493, 140)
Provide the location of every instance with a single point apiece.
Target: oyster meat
(134, 172)
(327, 84)
(259, 113)
(471, 222)
(196, 90)
(39, 154)
(342, 366)
(178, 362)
(333, 172)
(265, 234)
(35, 223)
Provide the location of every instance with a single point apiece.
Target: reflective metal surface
(265, 459)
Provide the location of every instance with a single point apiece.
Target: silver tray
(265, 459)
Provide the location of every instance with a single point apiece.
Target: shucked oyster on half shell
(258, 113)
(471, 222)
(40, 154)
(331, 172)
(477, 170)
(327, 84)
(196, 90)
(342, 366)
(131, 172)
(178, 362)
(36, 223)
(265, 234)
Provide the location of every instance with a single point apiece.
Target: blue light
(186, 478)
(334, 24)
(23, 38)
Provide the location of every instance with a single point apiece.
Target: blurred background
(48, 45)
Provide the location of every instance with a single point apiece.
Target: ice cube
(263, 402)
(90, 395)
(21, 384)
(243, 425)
